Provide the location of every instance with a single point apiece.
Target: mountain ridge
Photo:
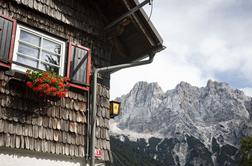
(212, 116)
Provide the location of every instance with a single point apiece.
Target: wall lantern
(114, 108)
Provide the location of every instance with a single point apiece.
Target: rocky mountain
(188, 125)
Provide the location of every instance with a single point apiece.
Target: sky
(204, 39)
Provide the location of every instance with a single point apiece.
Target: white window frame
(43, 36)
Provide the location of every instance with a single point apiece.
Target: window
(35, 50)
(79, 66)
(23, 48)
(7, 35)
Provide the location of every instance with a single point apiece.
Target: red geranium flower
(46, 83)
(61, 85)
(29, 84)
(53, 80)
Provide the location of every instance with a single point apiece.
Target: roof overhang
(135, 37)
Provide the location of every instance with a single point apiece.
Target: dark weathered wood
(57, 127)
(5, 38)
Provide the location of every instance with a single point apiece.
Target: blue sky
(204, 39)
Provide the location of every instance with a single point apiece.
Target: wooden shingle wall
(103, 116)
(85, 28)
(58, 127)
(53, 126)
(40, 124)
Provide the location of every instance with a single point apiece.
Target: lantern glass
(114, 108)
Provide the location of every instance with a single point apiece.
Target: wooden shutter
(79, 66)
(7, 36)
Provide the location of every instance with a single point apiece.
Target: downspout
(88, 125)
(94, 106)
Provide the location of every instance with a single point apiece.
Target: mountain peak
(145, 89)
(144, 85)
(186, 109)
(188, 119)
(215, 84)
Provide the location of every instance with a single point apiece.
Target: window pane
(51, 46)
(27, 50)
(50, 58)
(48, 67)
(30, 38)
(27, 61)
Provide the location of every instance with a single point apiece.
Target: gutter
(94, 106)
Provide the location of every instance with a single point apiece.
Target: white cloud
(203, 38)
(247, 91)
(167, 71)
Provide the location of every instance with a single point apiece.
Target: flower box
(46, 83)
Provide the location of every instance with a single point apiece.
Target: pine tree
(246, 151)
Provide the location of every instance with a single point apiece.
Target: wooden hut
(71, 37)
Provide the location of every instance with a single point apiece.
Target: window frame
(3, 63)
(42, 37)
(86, 85)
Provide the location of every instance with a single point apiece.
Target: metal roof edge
(149, 23)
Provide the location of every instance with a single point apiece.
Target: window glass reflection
(28, 50)
(47, 67)
(50, 58)
(27, 61)
(30, 38)
(51, 46)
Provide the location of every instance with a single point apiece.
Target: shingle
(22, 142)
(52, 148)
(99, 112)
(74, 116)
(54, 123)
(71, 149)
(81, 151)
(107, 135)
(58, 148)
(98, 132)
(81, 129)
(82, 106)
(30, 131)
(106, 125)
(76, 105)
(18, 129)
(103, 111)
(37, 145)
(45, 122)
(1, 125)
(76, 151)
(68, 103)
(27, 143)
(73, 127)
(80, 97)
(31, 143)
(58, 124)
(63, 102)
(40, 132)
(106, 156)
(56, 135)
(102, 155)
(35, 131)
(101, 120)
(71, 138)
